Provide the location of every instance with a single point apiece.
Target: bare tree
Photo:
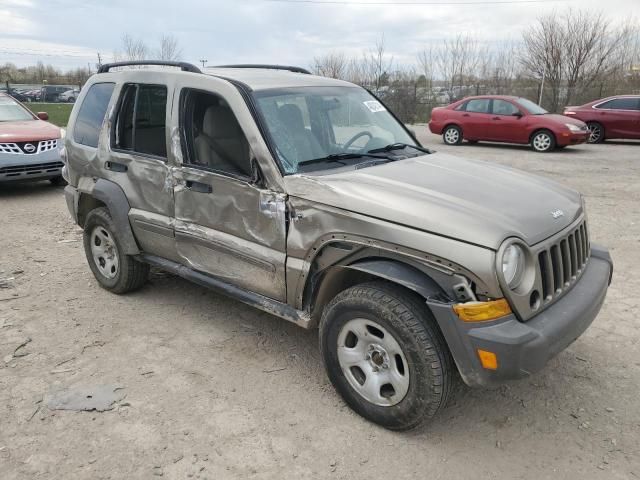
(134, 49)
(333, 65)
(376, 65)
(457, 59)
(169, 48)
(572, 51)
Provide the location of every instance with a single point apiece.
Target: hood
(473, 201)
(28, 131)
(562, 119)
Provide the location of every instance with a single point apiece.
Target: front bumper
(573, 138)
(523, 348)
(17, 167)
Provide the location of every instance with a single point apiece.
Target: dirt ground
(214, 389)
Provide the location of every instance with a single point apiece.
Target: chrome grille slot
(562, 261)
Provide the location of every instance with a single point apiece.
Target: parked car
(498, 118)
(69, 96)
(305, 197)
(50, 93)
(609, 118)
(29, 145)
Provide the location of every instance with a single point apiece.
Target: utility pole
(99, 60)
(544, 72)
(203, 61)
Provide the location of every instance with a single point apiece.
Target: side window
(86, 130)
(621, 104)
(502, 107)
(140, 125)
(212, 135)
(478, 105)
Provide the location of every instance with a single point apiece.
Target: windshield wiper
(337, 157)
(398, 146)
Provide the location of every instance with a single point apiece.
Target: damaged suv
(307, 198)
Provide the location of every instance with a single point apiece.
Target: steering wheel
(356, 137)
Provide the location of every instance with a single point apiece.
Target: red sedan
(607, 118)
(498, 118)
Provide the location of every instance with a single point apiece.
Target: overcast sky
(68, 33)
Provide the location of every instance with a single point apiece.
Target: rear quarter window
(86, 130)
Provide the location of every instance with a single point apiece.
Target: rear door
(620, 117)
(228, 222)
(505, 125)
(138, 163)
(474, 118)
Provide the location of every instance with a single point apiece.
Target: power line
(418, 3)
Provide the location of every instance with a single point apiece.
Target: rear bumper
(572, 138)
(525, 348)
(16, 167)
(435, 127)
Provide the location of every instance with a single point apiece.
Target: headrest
(219, 122)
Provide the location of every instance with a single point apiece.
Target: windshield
(326, 123)
(12, 111)
(532, 108)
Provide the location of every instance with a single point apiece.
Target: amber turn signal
(482, 311)
(488, 359)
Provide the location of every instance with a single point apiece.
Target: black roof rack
(185, 67)
(269, 67)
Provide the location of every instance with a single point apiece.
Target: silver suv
(307, 198)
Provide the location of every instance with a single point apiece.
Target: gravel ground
(210, 388)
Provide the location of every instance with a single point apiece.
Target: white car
(69, 96)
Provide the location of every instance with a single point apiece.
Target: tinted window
(140, 124)
(502, 107)
(621, 104)
(89, 121)
(213, 137)
(479, 105)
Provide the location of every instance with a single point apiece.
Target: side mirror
(43, 115)
(257, 178)
(517, 114)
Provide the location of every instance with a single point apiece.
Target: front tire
(543, 141)
(385, 355)
(58, 181)
(596, 132)
(452, 135)
(114, 270)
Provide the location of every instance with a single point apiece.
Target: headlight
(573, 128)
(63, 133)
(513, 264)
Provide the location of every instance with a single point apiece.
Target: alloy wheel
(542, 142)
(452, 135)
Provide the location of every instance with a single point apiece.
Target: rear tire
(452, 135)
(596, 132)
(543, 141)
(385, 355)
(114, 270)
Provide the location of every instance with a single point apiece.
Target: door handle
(199, 187)
(495, 118)
(115, 166)
(466, 115)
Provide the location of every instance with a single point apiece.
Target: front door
(507, 124)
(228, 223)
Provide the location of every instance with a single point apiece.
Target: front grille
(28, 148)
(562, 262)
(34, 169)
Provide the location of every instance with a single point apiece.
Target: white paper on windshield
(374, 106)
